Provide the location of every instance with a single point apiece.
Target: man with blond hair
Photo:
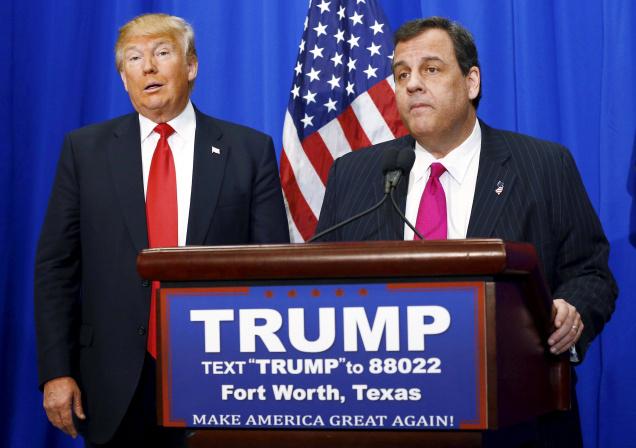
(167, 175)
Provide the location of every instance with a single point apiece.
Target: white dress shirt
(459, 181)
(182, 146)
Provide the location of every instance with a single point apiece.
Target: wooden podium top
(338, 260)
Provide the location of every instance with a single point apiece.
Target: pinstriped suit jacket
(543, 202)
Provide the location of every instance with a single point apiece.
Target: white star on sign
(374, 49)
(349, 88)
(320, 29)
(356, 18)
(334, 82)
(302, 45)
(324, 6)
(377, 28)
(317, 52)
(310, 97)
(299, 68)
(307, 121)
(313, 75)
(330, 105)
(370, 71)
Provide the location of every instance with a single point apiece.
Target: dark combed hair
(463, 42)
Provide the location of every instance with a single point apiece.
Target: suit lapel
(124, 155)
(207, 176)
(494, 175)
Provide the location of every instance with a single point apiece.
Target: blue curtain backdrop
(562, 71)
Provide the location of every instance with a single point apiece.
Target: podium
(519, 379)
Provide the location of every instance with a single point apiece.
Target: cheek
(401, 100)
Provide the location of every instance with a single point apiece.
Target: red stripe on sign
(300, 211)
(319, 155)
(354, 133)
(383, 97)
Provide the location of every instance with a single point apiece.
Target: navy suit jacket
(91, 306)
(543, 202)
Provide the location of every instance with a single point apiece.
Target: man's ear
(193, 67)
(123, 79)
(473, 82)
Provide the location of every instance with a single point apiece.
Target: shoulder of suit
(104, 127)
(228, 127)
(374, 152)
(521, 145)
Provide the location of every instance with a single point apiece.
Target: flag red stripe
(354, 133)
(319, 155)
(299, 210)
(383, 97)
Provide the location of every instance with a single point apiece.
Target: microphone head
(389, 160)
(405, 160)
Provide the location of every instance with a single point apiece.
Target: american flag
(342, 99)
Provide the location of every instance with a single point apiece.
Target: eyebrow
(158, 44)
(424, 59)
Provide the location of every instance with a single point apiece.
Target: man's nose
(415, 83)
(150, 65)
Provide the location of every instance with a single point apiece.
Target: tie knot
(437, 169)
(164, 130)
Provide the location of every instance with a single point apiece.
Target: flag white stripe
(391, 81)
(294, 234)
(334, 137)
(306, 176)
(371, 119)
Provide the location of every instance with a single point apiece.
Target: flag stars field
(324, 6)
(341, 99)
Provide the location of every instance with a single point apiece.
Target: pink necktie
(431, 216)
(161, 213)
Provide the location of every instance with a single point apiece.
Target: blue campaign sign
(355, 356)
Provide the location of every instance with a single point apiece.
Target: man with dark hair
(463, 43)
(167, 175)
(470, 180)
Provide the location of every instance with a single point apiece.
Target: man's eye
(432, 69)
(164, 53)
(403, 75)
(134, 58)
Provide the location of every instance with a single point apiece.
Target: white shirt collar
(457, 160)
(181, 124)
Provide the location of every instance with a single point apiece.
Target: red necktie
(161, 213)
(431, 216)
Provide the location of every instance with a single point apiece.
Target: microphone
(404, 163)
(389, 168)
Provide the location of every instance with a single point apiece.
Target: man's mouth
(420, 106)
(152, 87)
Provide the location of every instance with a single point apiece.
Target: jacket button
(141, 331)
(145, 283)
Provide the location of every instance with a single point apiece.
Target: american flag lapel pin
(215, 151)
(499, 188)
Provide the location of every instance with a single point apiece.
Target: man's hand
(568, 324)
(60, 396)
